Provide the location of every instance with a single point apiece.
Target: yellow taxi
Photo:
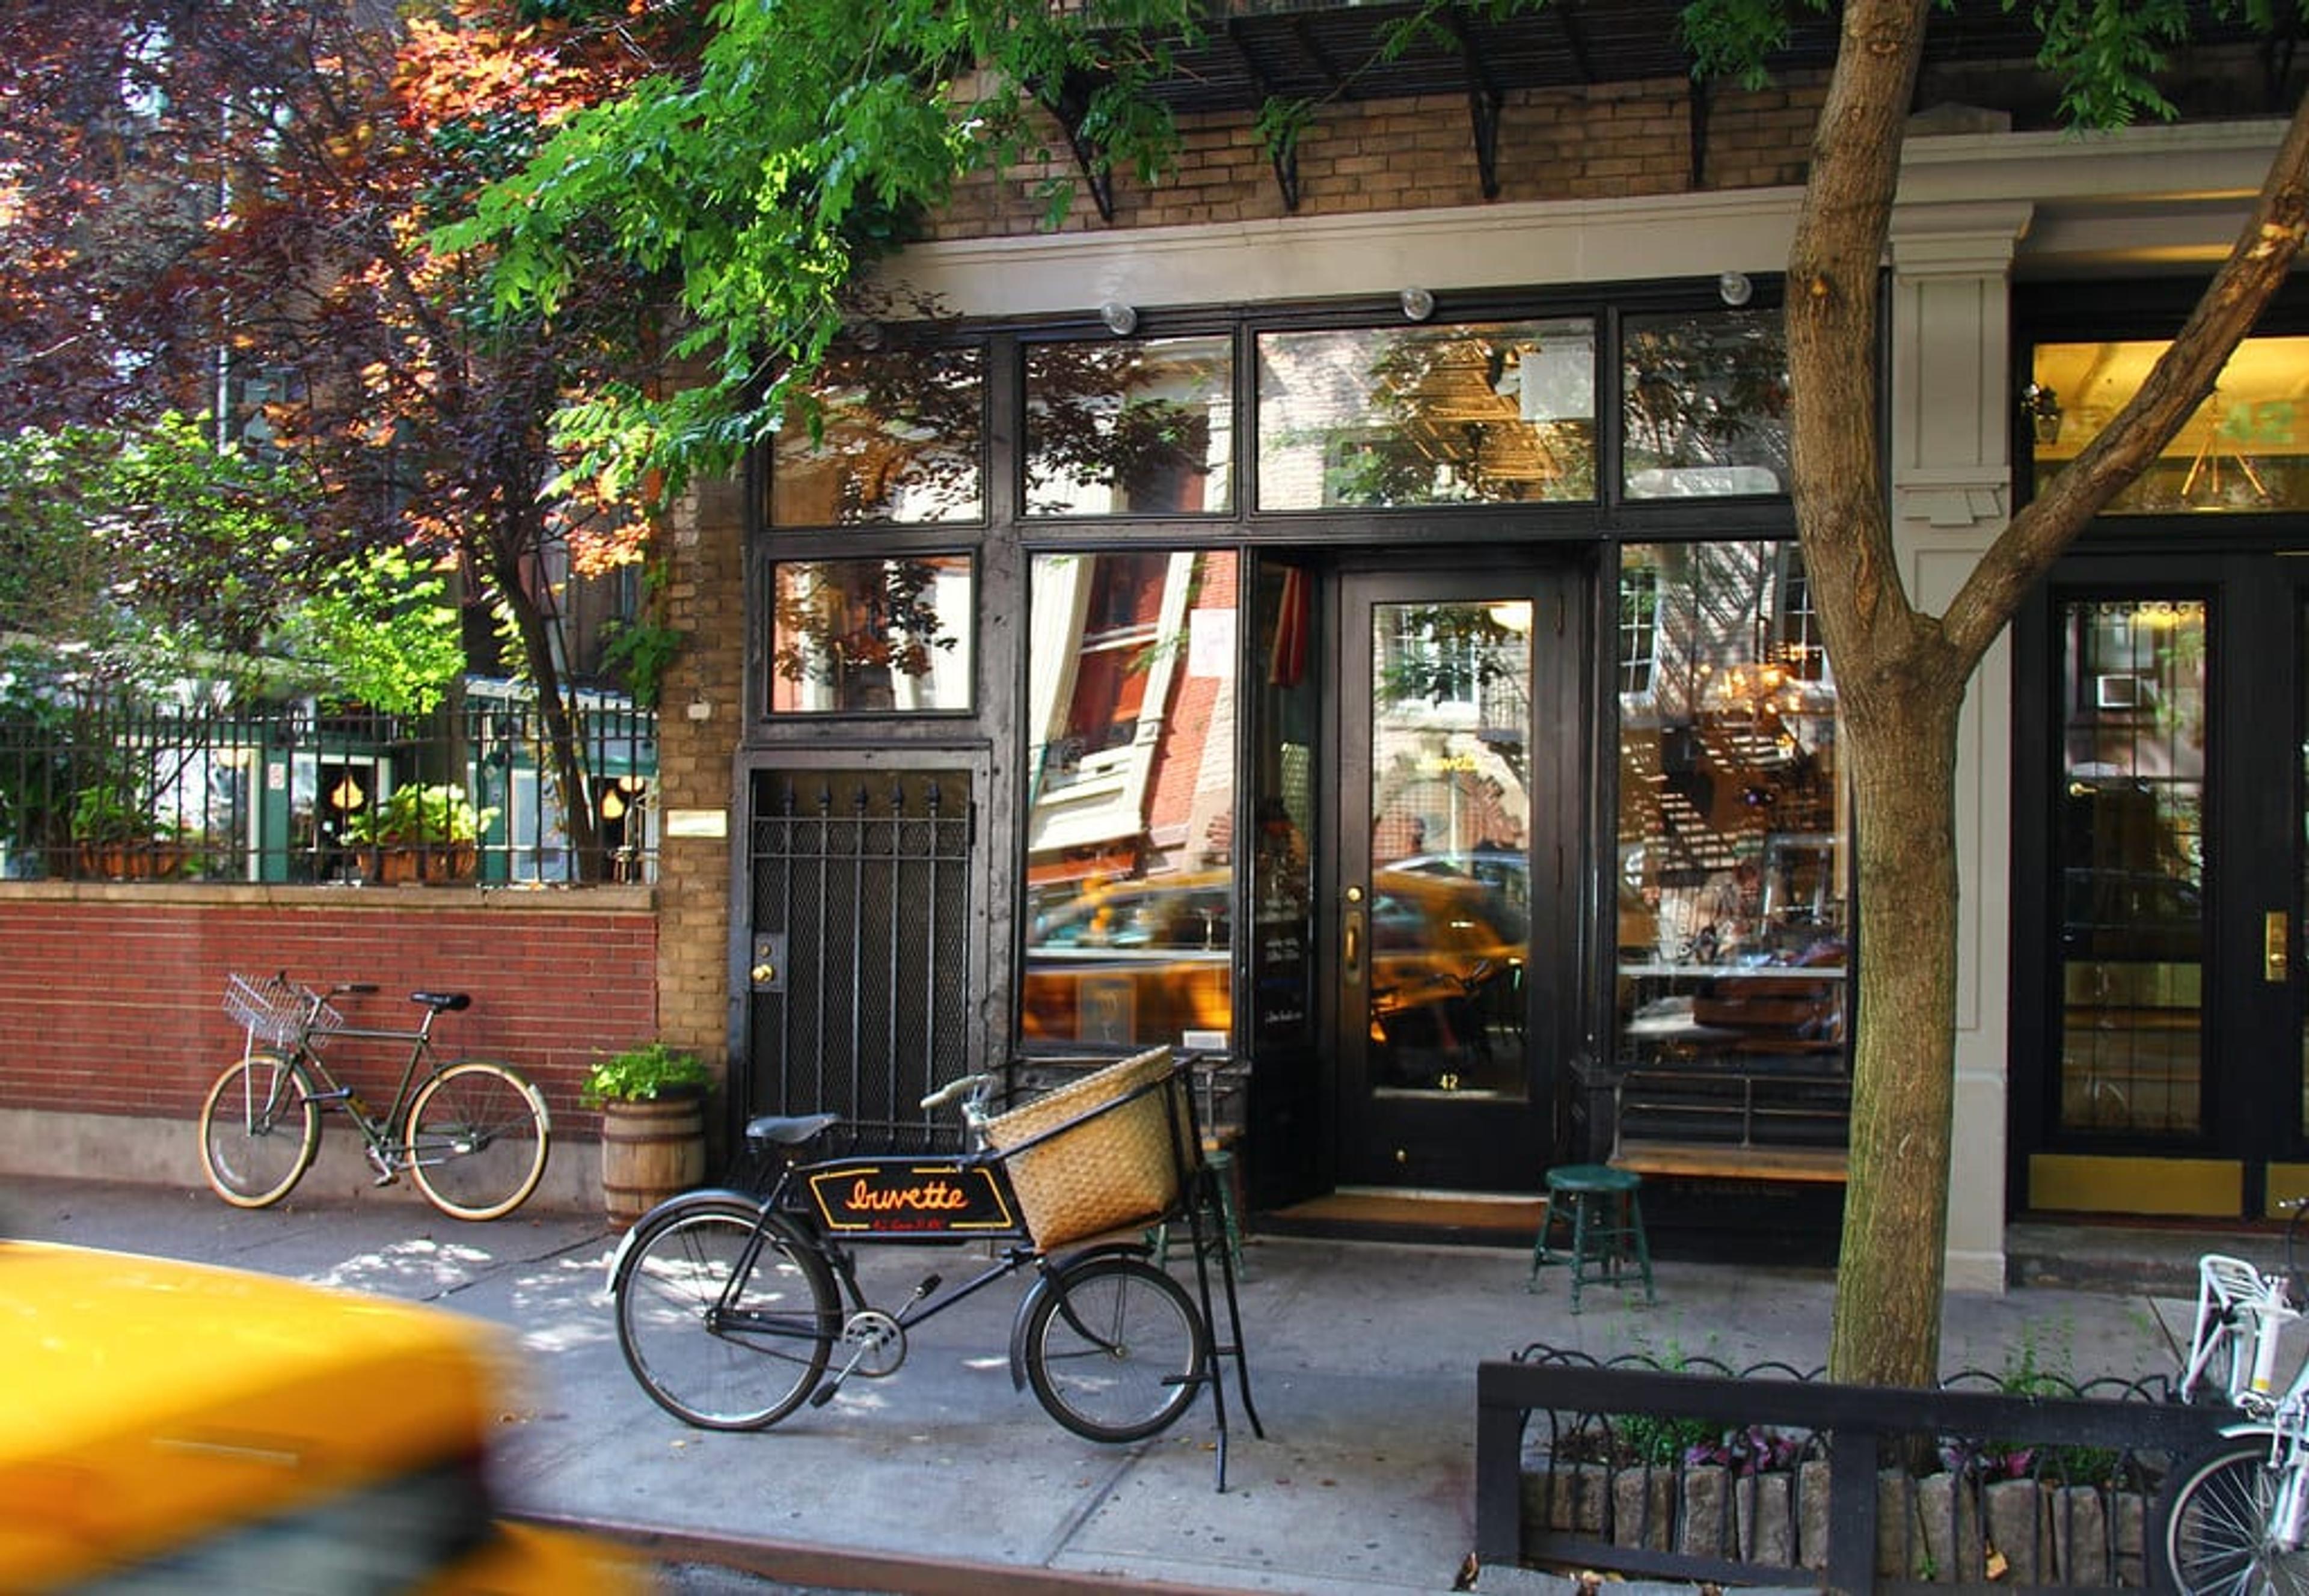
(176, 1427)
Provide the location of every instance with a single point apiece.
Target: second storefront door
(2160, 1069)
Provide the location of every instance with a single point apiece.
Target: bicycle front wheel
(478, 1137)
(259, 1131)
(725, 1329)
(2213, 1525)
(1115, 1348)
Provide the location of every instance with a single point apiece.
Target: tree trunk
(1901, 750)
(500, 550)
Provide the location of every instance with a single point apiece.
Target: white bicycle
(2232, 1518)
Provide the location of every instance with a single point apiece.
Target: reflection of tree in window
(1128, 426)
(883, 435)
(1705, 390)
(855, 627)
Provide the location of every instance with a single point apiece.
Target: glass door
(2168, 1078)
(1458, 717)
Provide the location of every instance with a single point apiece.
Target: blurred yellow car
(1148, 959)
(176, 1426)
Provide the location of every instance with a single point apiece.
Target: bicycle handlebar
(954, 1091)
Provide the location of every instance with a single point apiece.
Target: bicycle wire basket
(1111, 1166)
(274, 1009)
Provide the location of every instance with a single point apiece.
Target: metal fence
(1772, 1476)
(109, 790)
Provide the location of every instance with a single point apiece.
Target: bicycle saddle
(441, 1002)
(787, 1130)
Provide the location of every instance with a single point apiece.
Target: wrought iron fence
(1773, 1475)
(108, 790)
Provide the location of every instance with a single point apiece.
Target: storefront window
(1131, 828)
(1372, 417)
(884, 436)
(1704, 405)
(866, 636)
(1130, 427)
(2245, 450)
(1733, 872)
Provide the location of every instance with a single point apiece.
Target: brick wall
(701, 720)
(1609, 142)
(110, 996)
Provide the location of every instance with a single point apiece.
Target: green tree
(226, 209)
(767, 179)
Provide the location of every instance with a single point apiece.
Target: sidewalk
(1362, 1358)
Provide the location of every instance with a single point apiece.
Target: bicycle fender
(1043, 1287)
(710, 1197)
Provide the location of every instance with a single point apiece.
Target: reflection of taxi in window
(176, 1427)
(1148, 959)
(1130, 961)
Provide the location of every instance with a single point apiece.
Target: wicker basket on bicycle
(1097, 1153)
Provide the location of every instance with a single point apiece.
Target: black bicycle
(734, 1307)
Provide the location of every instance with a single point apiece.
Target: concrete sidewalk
(1362, 1358)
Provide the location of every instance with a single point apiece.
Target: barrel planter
(652, 1149)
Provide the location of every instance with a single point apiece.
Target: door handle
(1352, 948)
(2275, 946)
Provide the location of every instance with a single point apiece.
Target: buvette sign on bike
(910, 1198)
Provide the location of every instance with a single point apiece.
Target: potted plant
(651, 1099)
(119, 839)
(419, 833)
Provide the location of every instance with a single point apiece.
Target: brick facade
(699, 725)
(1609, 142)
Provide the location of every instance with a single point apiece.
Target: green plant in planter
(105, 813)
(643, 1073)
(414, 815)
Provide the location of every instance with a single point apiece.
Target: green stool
(1606, 1218)
(1219, 1163)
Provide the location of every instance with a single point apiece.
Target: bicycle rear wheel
(713, 1350)
(259, 1131)
(478, 1137)
(1115, 1348)
(2212, 1528)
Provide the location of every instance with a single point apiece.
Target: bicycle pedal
(824, 1393)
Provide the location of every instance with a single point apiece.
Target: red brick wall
(110, 998)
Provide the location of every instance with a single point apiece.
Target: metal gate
(859, 964)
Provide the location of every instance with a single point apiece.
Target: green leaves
(809, 141)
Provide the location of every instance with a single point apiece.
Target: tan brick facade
(1610, 142)
(701, 719)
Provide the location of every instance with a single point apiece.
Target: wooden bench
(1728, 1161)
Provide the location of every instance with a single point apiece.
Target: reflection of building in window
(1638, 627)
(1131, 670)
(1728, 736)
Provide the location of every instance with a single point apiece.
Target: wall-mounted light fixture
(1735, 288)
(1121, 319)
(1418, 304)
